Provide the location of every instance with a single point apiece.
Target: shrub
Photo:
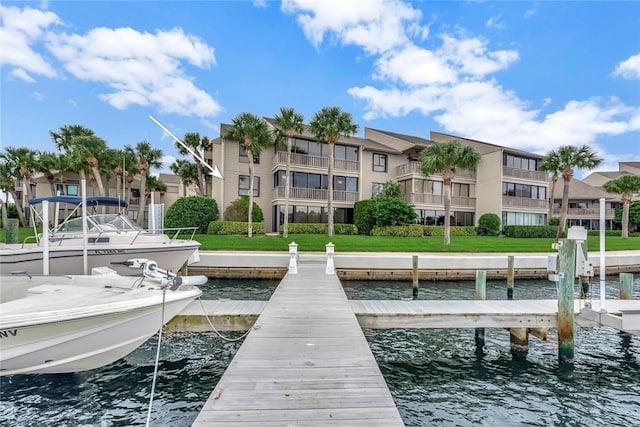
(413, 230)
(363, 216)
(489, 225)
(393, 211)
(234, 227)
(530, 231)
(192, 211)
(454, 230)
(321, 228)
(238, 210)
(554, 220)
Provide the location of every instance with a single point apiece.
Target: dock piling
(330, 251)
(293, 258)
(626, 285)
(414, 275)
(481, 294)
(567, 265)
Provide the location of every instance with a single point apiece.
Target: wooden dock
(305, 362)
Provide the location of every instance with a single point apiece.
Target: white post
(83, 187)
(293, 258)
(602, 266)
(151, 225)
(45, 237)
(330, 250)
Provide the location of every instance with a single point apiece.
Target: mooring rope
(206, 316)
(155, 369)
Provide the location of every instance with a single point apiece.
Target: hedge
(417, 230)
(321, 228)
(530, 231)
(234, 227)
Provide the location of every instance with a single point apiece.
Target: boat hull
(69, 260)
(77, 341)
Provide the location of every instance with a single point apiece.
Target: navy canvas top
(76, 200)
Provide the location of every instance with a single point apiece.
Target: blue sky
(528, 75)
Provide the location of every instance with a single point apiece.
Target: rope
(155, 369)
(204, 312)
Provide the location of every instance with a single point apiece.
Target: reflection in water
(436, 376)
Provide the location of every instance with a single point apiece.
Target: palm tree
(22, 162)
(289, 122)
(253, 134)
(187, 172)
(328, 125)
(571, 158)
(82, 147)
(47, 164)
(147, 158)
(626, 185)
(551, 164)
(197, 143)
(445, 159)
(7, 185)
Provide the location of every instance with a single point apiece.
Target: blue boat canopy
(76, 200)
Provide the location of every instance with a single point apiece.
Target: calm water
(436, 377)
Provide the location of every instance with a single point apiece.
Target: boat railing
(102, 236)
(184, 230)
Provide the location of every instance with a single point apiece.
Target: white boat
(111, 239)
(58, 324)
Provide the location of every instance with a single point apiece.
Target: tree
(570, 158)
(551, 164)
(21, 162)
(197, 144)
(187, 172)
(328, 125)
(626, 185)
(84, 149)
(147, 158)
(289, 122)
(7, 186)
(445, 159)
(253, 134)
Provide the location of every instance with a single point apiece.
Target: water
(435, 376)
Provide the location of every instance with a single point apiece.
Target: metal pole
(83, 187)
(602, 266)
(510, 277)
(45, 237)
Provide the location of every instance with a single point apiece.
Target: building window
(524, 190)
(519, 162)
(379, 162)
(376, 188)
(243, 158)
(243, 185)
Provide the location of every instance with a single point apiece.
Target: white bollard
(330, 250)
(293, 258)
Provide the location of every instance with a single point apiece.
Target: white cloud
(21, 29)
(375, 25)
(141, 68)
(37, 96)
(455, 83)
(629, 69)
(496, 22)
(262, 4)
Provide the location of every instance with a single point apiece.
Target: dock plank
(305, 362)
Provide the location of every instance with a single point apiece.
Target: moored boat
(58, 324)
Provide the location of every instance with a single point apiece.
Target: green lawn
(317, 242)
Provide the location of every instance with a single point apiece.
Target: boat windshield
(105, 223)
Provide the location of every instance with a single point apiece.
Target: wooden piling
(567, 266)
(510, 276)
(481, 294)
(626, 286)
(414, 275)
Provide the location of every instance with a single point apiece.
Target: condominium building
(507, 182)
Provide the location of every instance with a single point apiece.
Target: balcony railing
(318, 162)
(315, 194)
(524, 202)
(525, 174)
(414, 167)
(438, 200)
(592, 212)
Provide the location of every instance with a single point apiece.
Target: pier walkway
(305, 362)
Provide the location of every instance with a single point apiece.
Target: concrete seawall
(397, 266)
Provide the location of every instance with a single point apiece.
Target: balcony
(438, 200)
(592, 212)
(318, 162)
(523, 202)
(315, 194)
(525, 174)
(414, 167)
